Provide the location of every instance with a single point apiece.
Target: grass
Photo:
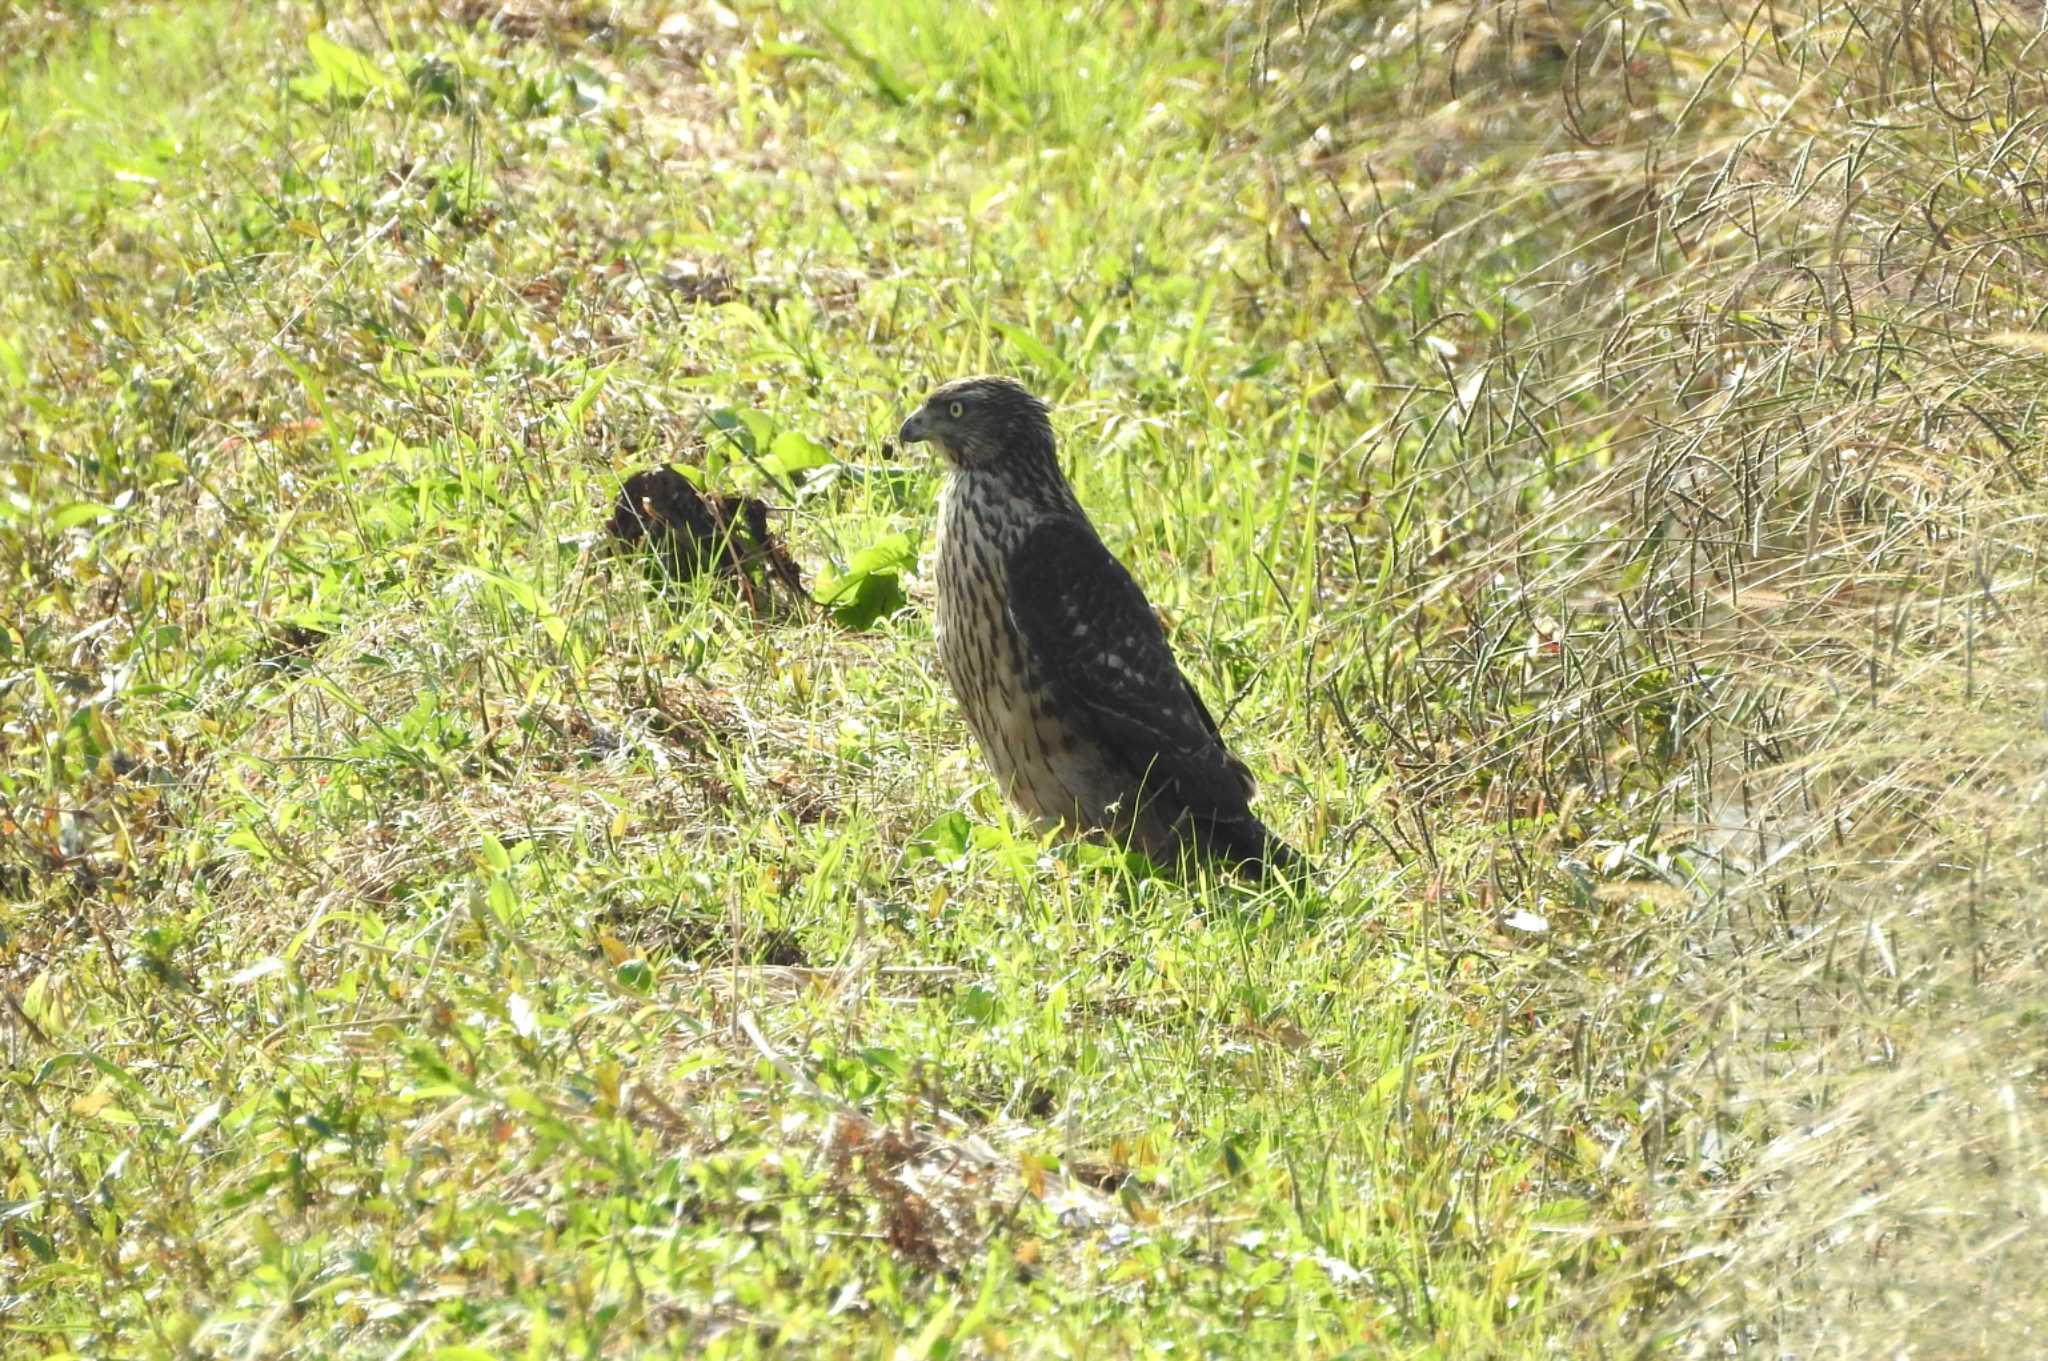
(1589, 457)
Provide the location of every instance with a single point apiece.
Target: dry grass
(1590, 455)
(1805, 370)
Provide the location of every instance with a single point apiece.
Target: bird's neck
(1005, 502)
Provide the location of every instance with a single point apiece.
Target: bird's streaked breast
(1037, 759)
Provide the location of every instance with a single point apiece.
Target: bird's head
(983, 423)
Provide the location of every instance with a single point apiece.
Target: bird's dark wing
(1092, 638)
(1237, 768)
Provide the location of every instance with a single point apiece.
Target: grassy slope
(417, 931)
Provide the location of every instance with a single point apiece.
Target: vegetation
(1589, 456)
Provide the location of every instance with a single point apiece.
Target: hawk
(1057, 660)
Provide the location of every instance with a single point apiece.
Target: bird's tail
(1282, 859)
(1248, 845)
(1278, 859)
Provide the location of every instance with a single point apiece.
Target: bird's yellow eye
(954, 410)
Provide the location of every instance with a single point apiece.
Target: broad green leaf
(889, 554)
(947, 838)
(871, 586)
(494, 853)
(736, 427)
(874, 596)
(790, 452)
(349, 73)
(77, 513)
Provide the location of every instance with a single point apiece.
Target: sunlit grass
(1593, 481)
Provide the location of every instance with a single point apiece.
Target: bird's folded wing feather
(1092, 637)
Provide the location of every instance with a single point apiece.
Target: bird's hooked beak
(913, 431)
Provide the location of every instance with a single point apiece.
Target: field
(1588, 457)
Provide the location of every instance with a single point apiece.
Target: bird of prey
(1056, 657)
